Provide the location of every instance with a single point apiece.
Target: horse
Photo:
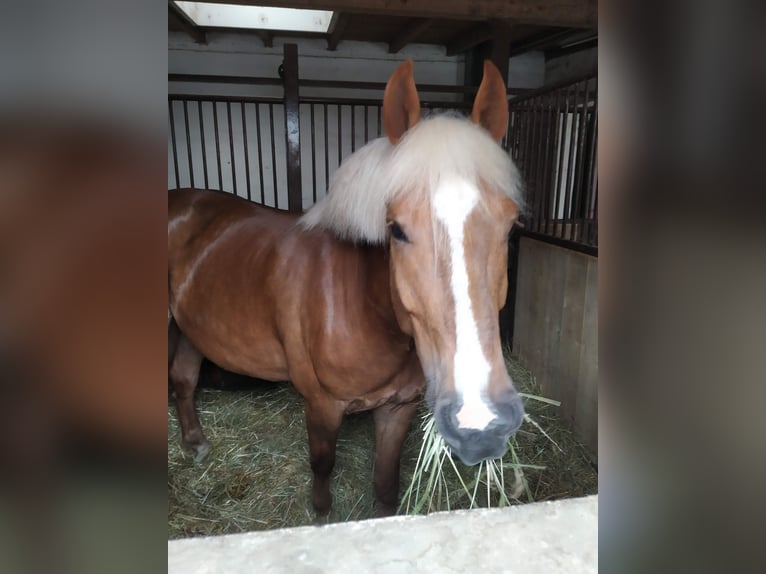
(386, 290)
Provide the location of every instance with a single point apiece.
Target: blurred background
(83, 108)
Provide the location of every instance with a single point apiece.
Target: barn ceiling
(554, 26)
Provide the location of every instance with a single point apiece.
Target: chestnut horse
(389, 287)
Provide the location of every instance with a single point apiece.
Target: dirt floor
(257, 474)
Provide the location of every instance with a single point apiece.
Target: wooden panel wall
(556, 330)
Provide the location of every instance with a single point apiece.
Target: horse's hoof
(322, 519)
(199, 451)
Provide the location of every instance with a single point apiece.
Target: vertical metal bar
(578, 183)
(589, 181)
(570, 170)
(273, 155)
(326, 151)
(366, 123)
(539, 164)
(339, 137)
(380, 121)
(293, 128)
(246, 144)
(313, 155)
(524, 156)
(353, 130)
(593, 231)
(173, 141)
(561, 126)
(188, 145)
(534, 160)
(202, 138)
(547, 163)
(260, 147)
(217, 145)
(231, 149)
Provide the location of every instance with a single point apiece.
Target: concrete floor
(558, 537)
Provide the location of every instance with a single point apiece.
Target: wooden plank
(409, 34)
(572, 13)
(586, 416)
(573, 290)
(292, 126)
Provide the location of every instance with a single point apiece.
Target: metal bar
(367, 121)
(550, 88)
(589, 182)
(202, 138)
(260, 148)
(380, 120)
(292, 128)
(206, 98)
(188, 146)
(231, 148)
(217, 146)
(313, 156)
(547, 163)
(537, 152)
(173, 141)
(338, 84)
(340, 151)
(573, 245)
(246, 145)
(216, 79)
(326, 151)
(568, 191)
(582, 132)
(353, 130)
(273, 155)
(561, 125)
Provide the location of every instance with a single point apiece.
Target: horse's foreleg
(184, 373)
(392, 421)
(323, 419)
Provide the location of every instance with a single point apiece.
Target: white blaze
(453, 201)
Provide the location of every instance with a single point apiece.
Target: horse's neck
(378, 286)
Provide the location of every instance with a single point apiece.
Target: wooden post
(292, 128)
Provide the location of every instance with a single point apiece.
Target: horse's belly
(233, 327)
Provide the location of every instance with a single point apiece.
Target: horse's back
(221, 249)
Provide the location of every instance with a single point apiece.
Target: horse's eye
(397, 233)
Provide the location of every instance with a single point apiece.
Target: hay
(257, 475)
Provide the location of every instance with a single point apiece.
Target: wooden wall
(556, 330)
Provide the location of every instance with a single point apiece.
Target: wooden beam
(539, 41)
(177, 16)
(336, 30)
(470, 38)
(409, 34)
(573, 13)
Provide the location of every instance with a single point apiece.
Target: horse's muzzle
(473, 446)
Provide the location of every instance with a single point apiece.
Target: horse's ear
(401, 104)
(490, 110)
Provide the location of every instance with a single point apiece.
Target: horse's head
(448, 225)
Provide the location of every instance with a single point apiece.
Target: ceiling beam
(336, 30)
(182, 21)
(470, 38)
(540, 41)
(570, 13)
(409, 34)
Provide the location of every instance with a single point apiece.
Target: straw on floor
(257, 474)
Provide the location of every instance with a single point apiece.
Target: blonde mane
(361, 189)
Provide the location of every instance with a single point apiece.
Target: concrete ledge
(546, 537)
